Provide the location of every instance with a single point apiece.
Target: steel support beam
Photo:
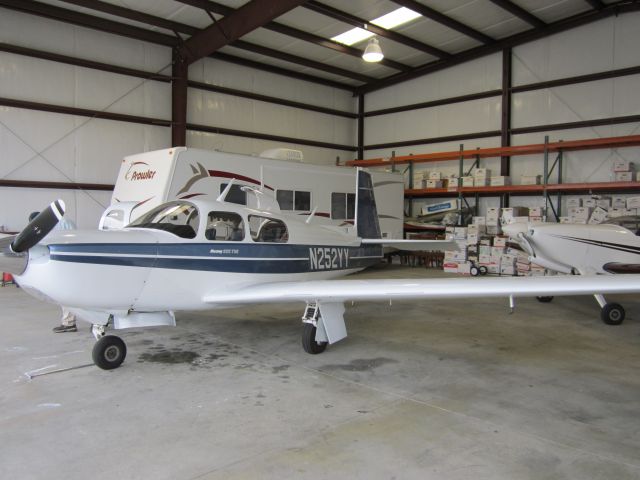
(179, 73)
(247, 18)
(574, 21)
(443, 19)
(299, 34)
(102, 24)
(505, 127)
(349, 19)
(519, 12)
(361, 126)
(597, 4)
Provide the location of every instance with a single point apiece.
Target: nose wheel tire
(544, 299)
(109, 352)
(612, 314)
(309, 340)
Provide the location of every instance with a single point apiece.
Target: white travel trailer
(149, 179)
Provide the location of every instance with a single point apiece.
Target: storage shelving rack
(504, 192)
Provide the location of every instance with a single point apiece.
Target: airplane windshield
(179, 218)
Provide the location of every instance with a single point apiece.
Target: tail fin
(367, 225)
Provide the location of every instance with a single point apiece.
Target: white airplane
(206, 253)
(583, 250)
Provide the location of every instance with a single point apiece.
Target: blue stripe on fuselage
(222, 257)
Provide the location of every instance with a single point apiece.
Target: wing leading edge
(382, 290)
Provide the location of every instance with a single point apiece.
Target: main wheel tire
(545, 299)
(109, 352)
(309, 340)
(475, 271)
(483, 270)
(612, 314)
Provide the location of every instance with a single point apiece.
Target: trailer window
(225, 227)
(264, 229)
(294, 200)
(235, 195)
(343, 206)
(179, 218)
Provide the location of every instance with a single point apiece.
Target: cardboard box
(582, 213)
(536, 220)
(493, 229)
(536, 212)
(434, 184)
(499, 181)
(485, 240)
(565, 219)
(603, 202)
(484, 259)
(507, 270)
(599, 215)
(435, 176)
(480, 181)
(497, 251)
(450, 267)
(467, 181)
(479, 220)
(618, 202)
(482, 172)
(620, 165)
(625, 176)
(464, 268)
(460, 233)
(530, 179)
(633, 202)
(499, 241)
(479, 229)
(446, 206)
(589, 202)
(574, 202)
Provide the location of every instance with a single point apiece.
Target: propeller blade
(39, 227)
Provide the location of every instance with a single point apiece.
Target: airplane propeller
(39, 227)
(14, 250)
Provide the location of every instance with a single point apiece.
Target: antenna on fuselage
(311, 215)
(223, 195)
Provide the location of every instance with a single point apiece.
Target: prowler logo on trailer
(136, 173)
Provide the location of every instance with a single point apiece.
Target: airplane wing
(337, 291)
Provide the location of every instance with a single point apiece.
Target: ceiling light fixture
(373, 52)
(390, 20)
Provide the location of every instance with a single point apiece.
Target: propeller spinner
(14, 250)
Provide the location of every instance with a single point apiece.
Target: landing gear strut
(109, 351)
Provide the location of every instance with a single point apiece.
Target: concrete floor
(446, 390)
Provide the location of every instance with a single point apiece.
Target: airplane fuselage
(586, 248)
(151, 270)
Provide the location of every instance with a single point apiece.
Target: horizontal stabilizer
(413, 245)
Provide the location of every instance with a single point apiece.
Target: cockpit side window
(265, 229)
(179, 218)
(225, 227)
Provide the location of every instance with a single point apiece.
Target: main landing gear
(311, 339)
(109, 351)
(610, 313)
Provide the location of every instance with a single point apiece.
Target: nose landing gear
(109, 351)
